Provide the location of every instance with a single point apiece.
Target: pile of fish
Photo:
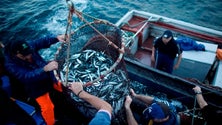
(88, 65)
(85, 66)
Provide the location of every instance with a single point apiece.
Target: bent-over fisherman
(24, 63)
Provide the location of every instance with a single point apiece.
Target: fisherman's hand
(128, 102)
(152, 58)
(176, 66)
(53, 65)
(76, 87)
(132, 92)
(197, 89)
(62, 38)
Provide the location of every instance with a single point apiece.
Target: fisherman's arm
(179, 52)
(178, 61)
(200, 99)
(96, 102)
(26, 75)
(153, 54)
(129, 115)
(145, 98)
(46, 42)
(155, 45)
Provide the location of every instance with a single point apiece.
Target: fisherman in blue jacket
(24, 63)
(148, 111)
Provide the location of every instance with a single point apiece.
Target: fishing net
(95, 58)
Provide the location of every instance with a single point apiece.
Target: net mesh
(94, 57)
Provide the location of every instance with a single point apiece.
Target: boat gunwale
(212, 35)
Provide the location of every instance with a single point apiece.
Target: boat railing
(178, 22)
(131, 39)
(211, 35)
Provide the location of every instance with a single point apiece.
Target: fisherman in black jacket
(164, 52)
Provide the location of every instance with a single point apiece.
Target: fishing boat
(138, 31)
(146, 27)
(197, 67)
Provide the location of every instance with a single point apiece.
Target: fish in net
(95, 58)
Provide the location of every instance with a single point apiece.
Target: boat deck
(146, 33)
(144, 52)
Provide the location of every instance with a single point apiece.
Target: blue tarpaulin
(32, 112)
(189, 44)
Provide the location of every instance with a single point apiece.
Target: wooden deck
(144, 52)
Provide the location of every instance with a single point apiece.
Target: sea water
(31, 19)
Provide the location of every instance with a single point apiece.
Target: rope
(94, 18)
(194, 109)
(79, 14)
(135, 25)
(68, 29)
(146, 22)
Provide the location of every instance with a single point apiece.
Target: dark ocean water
(30, 19)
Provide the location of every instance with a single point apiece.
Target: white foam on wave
(57, 23)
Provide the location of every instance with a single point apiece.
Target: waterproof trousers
(47, 108)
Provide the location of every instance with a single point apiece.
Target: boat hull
(175, 87)
(144, 28)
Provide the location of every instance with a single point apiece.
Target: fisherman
(10, 112)
(164, 52)
(24, 63)
(103, 116)
(211, 114)
(151, 111)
